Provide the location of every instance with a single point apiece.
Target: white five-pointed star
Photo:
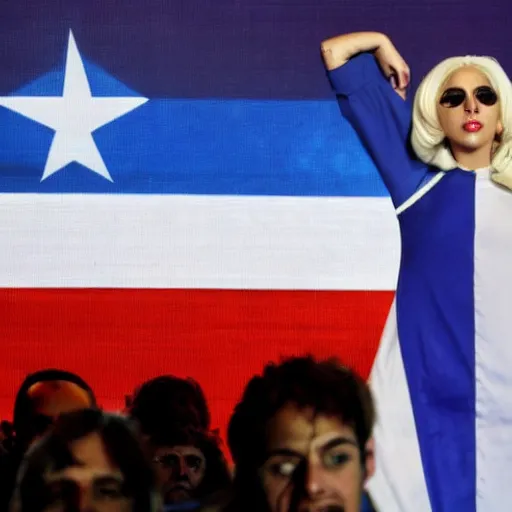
(73, 116)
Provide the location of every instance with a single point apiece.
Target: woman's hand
(394, 66)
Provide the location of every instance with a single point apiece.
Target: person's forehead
(467, 76)
(302, 430)
(83, 475)
(90, 452)
(180, 450)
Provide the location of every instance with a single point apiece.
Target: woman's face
(471, 125)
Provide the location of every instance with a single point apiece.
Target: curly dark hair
(53, 452)
(169, 400)
(327, 387)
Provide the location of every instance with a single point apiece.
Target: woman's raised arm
(338, 50)
(368, 75)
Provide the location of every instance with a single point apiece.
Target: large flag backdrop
(179, 193)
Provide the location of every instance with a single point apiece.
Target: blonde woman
(443, 375)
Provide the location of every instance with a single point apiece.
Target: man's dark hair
(217, 477)
(24, 427)
(326, 387)
(169, 400)
(53, 453)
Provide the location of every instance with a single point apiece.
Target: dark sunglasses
(454, 96)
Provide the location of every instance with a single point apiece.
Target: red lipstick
(472, 126)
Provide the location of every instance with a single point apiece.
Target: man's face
(93, 484)
(313, 464)
(179, 470)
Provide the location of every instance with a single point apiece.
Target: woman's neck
(477, 159)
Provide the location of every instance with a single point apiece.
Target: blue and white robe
(442, 378)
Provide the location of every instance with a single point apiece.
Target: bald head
(45, 395)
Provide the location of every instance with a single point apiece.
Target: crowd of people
(299, 439)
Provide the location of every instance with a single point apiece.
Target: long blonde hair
(427, 137)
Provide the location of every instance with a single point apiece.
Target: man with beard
(174, 418)
(301, 439)
(189, 466)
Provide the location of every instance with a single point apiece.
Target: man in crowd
(189, 465)
(174, 419)
(301, 439)
(89, 461)
(41, 398)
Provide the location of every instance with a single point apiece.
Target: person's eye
(452, 97)
(486, 96)
(168, 461)
(54, 494)
(284, 468)
(336, 460)
(110, 492)
(194, 463)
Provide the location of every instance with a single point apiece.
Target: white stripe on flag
(198, 241)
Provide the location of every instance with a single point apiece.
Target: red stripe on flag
(117, 338)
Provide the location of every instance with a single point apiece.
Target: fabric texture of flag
(175, 221)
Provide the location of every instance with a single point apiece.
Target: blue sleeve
(366, 504)
(382, 120)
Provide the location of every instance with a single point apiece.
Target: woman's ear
(497, 136)
(499, 129)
